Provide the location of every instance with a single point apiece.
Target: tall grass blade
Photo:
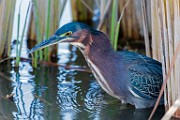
(113, 20)
(118, 26)
(115, 43)
(22, 37)
(38, 32)
(47, 29)
(17, 39)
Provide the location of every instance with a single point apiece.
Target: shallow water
(54, 93)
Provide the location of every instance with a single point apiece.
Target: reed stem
(17, 39)
(113, 21)
(47, 29)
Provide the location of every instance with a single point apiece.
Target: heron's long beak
(51, 41)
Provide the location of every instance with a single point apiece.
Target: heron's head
(77, 34)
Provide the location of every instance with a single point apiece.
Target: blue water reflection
(22, 89)
(49, 92)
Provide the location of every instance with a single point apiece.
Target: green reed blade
(24, 27)
(47, 29)
(17, 40)
(118, 26)
(38, 32)
(116, 35)
(113, 21)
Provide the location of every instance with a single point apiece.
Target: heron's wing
(145, 75)
(146, 86)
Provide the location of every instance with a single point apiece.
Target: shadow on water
(6, 106)
(54, 93)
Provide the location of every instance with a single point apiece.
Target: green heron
(130, 77)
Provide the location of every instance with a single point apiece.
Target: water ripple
(67, 94)
(94, 97)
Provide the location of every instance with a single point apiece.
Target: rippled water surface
(53, 93)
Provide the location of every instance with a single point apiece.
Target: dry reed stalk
(176, 82)
(97, 2)
(168, 26)
(103, 5)
(80, 12)
(171, 110)
(104, 10)
(5, 77)
(43, 100)
(170, 31)
(123, 23)
(165, 46)
(2, 14)
(6, 20)
(132, 20)
(63, 4)
(177, 51)
(164, 39)
(10, 29)
(145, 28)
(158, 32)
(155, 31)
(87, 6)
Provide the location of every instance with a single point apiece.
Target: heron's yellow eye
(68, 33)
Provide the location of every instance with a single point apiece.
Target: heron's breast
(101, 79)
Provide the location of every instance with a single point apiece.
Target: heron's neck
(101, 65)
